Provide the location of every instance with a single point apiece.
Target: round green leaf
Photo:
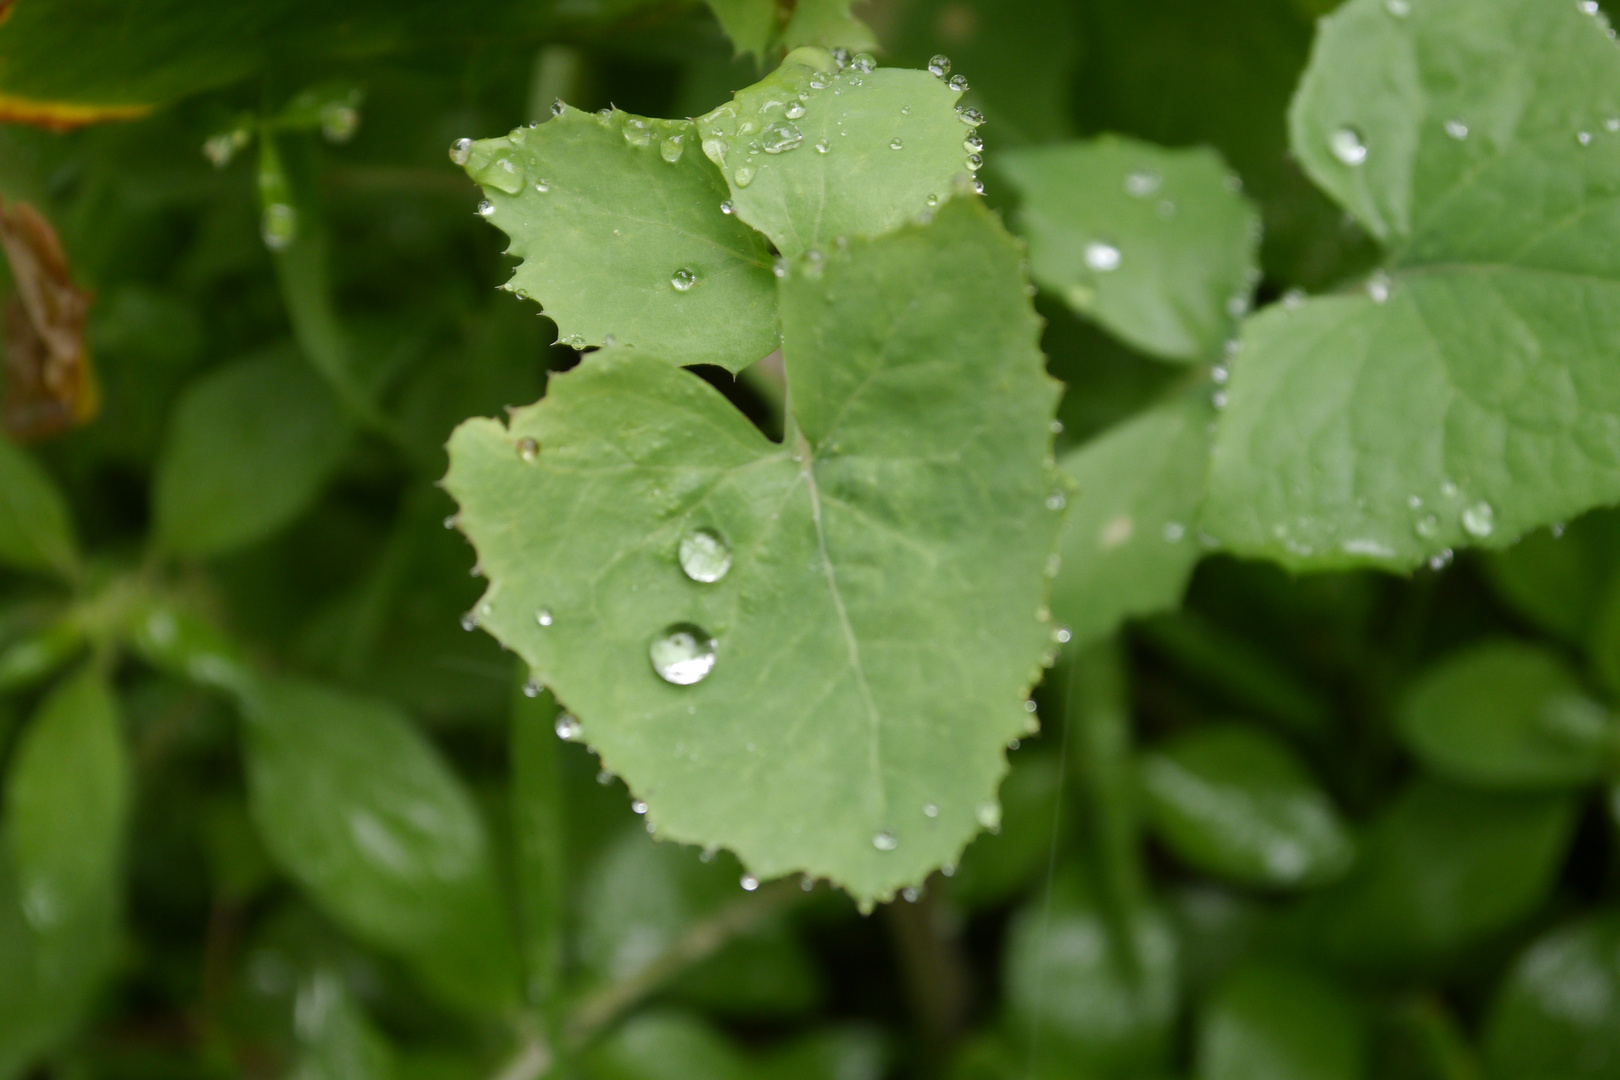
(1280, 1023)
(1558, 1012)
(1235, 802)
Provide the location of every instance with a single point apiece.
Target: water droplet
(460, 151)
(450, 522)
(820, 80)
(543, 617)
(1378, 287)
(672, 148)
(885, 841)
(1583, 137)
(1398, 8)
(930, 810)
(1062, 635)
(1449, 489)
(780, 268)
(636, 132)
(1427, 527)
(1588, 7)
(743, 177)
(279, 226)
(542, 185)
(958, 83)
(988, 815)
(1142, 183)
(528, 449)
(1479, 520)
(939, 65)
(638, 807)
(1174, 532)
(1612, 124)
(781, 137)
(794, 110)
(1029, 705)
(705, 556)
(911, 893)
(683, 654)
(749, 882)
(975, 162)
(1218, 399)
(469, 622)
(932, 200)
(1558, 530)
(1442, 560)
(726, 207)
(823, 145)
(863, 62)
(968, 116)
(1457, 129)
(1219, 374)
(896, 143)
(604, 777)
(1057, 500)
(682, 280)
(1346, 145)
(1102, 256)
(532, 688)
(486, 208)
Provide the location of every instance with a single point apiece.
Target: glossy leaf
(1509, 715)
(1130, 542)
(365, 815)
(1558, 1011)
(863, 152)
(1441, 868)
(1462, 398)
(1282, 1024)
(617, 220)
(35, 533)
(248, 450)
(904, 524)
(1233, 801)
(1156, 245)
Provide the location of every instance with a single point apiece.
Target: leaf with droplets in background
(1130, 544)
(1157, 245)
(815, 152)
(1464, 397)
(867, 653)
(619, 224)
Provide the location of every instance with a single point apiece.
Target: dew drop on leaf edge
(567, 727)
(683, 654)
(1479, 520)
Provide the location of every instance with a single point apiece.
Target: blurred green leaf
(1441, 869)
(35, 532)
(1091, 991)
(957, 508)
(813, 153)
(1463, 399)
(1236, 802)
(618, 222)
(178, 642)
(249, 448)
(39, 656)
(1130, 542)
(1557, 1014)
(1157, 245)
(1281, 1024)
(1509, 715)
(996, 866)
(362, 811)
(667, 1046)
(1558, 578)
(336, 1039)
(826, 24)
(750, 24)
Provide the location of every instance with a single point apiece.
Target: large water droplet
(864, 63)
(820, 80)
(460, 151)
(968, 116)
(780, 137)
(749, 882)
(1479, 519)
(1347, 145)
(505, 174)
(682, 280)
(672, 148)
(1102, 256)
(743, 177)
(939, 65)
(973, 143)
(705, 555)
(958, 83)
(279, 226)
(885, 841)
(794, 110)
(636, 132)
(683, 654)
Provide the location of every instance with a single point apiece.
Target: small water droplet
(1442, 560)
(636, 132)
(930, 810)
(1218, 399)
(1583, 137)
(1057, 500)
(682, 280)
(988, 815)
(469, 622)
(683, 654)
(1174, 532)
(973, 143)
(749, 882)
(528, 449)
(1142, 183)
(726, 207)
(279, 226)
(450, 522)
(975, 162)
(1398, 8)
(1219, 374)
(1479, 520)
(1062, 635)
(542, 185)
(1030, 706)
(604, 777)
(543, 617)
(1612, 124)
(820, 80)
(1588, 7)
(823, 145)
(1346, 144)
(896, 143)
(781, 137)
(486, 208)
(705, 556)
(672, 148)
(532, 688)
(779, 267)
(1449, 489)
(1102, 256)
(794, 110)
(743, 177)
(885, 841)
(461, 151)
(1427, 527)
(1457, 129)
(970, 117)
(958, 83)
(638, 807)
(1378, 287)
(939, 65)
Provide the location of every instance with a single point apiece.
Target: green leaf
(249, 448)
(667, 1046)
(1156, 245)
(1099, 992)
(1441, 868)
(872, 150)
(1465, 397)
(67, 803)
(338, 1041)
(35, 533)
(1509, 715)
(750, 24)
(826, 24)
(1233, 801)
(1130, 542)
(618, 241)
(880, 621)
(362, 811)
(1282, 1024)
(1557, 578)
(39, 656)
(998, 865)
(1558, 1011)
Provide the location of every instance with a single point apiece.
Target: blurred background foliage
(1310, 828)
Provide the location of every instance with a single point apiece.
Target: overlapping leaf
(35, 532)
(1466, 395)
(881, 617)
